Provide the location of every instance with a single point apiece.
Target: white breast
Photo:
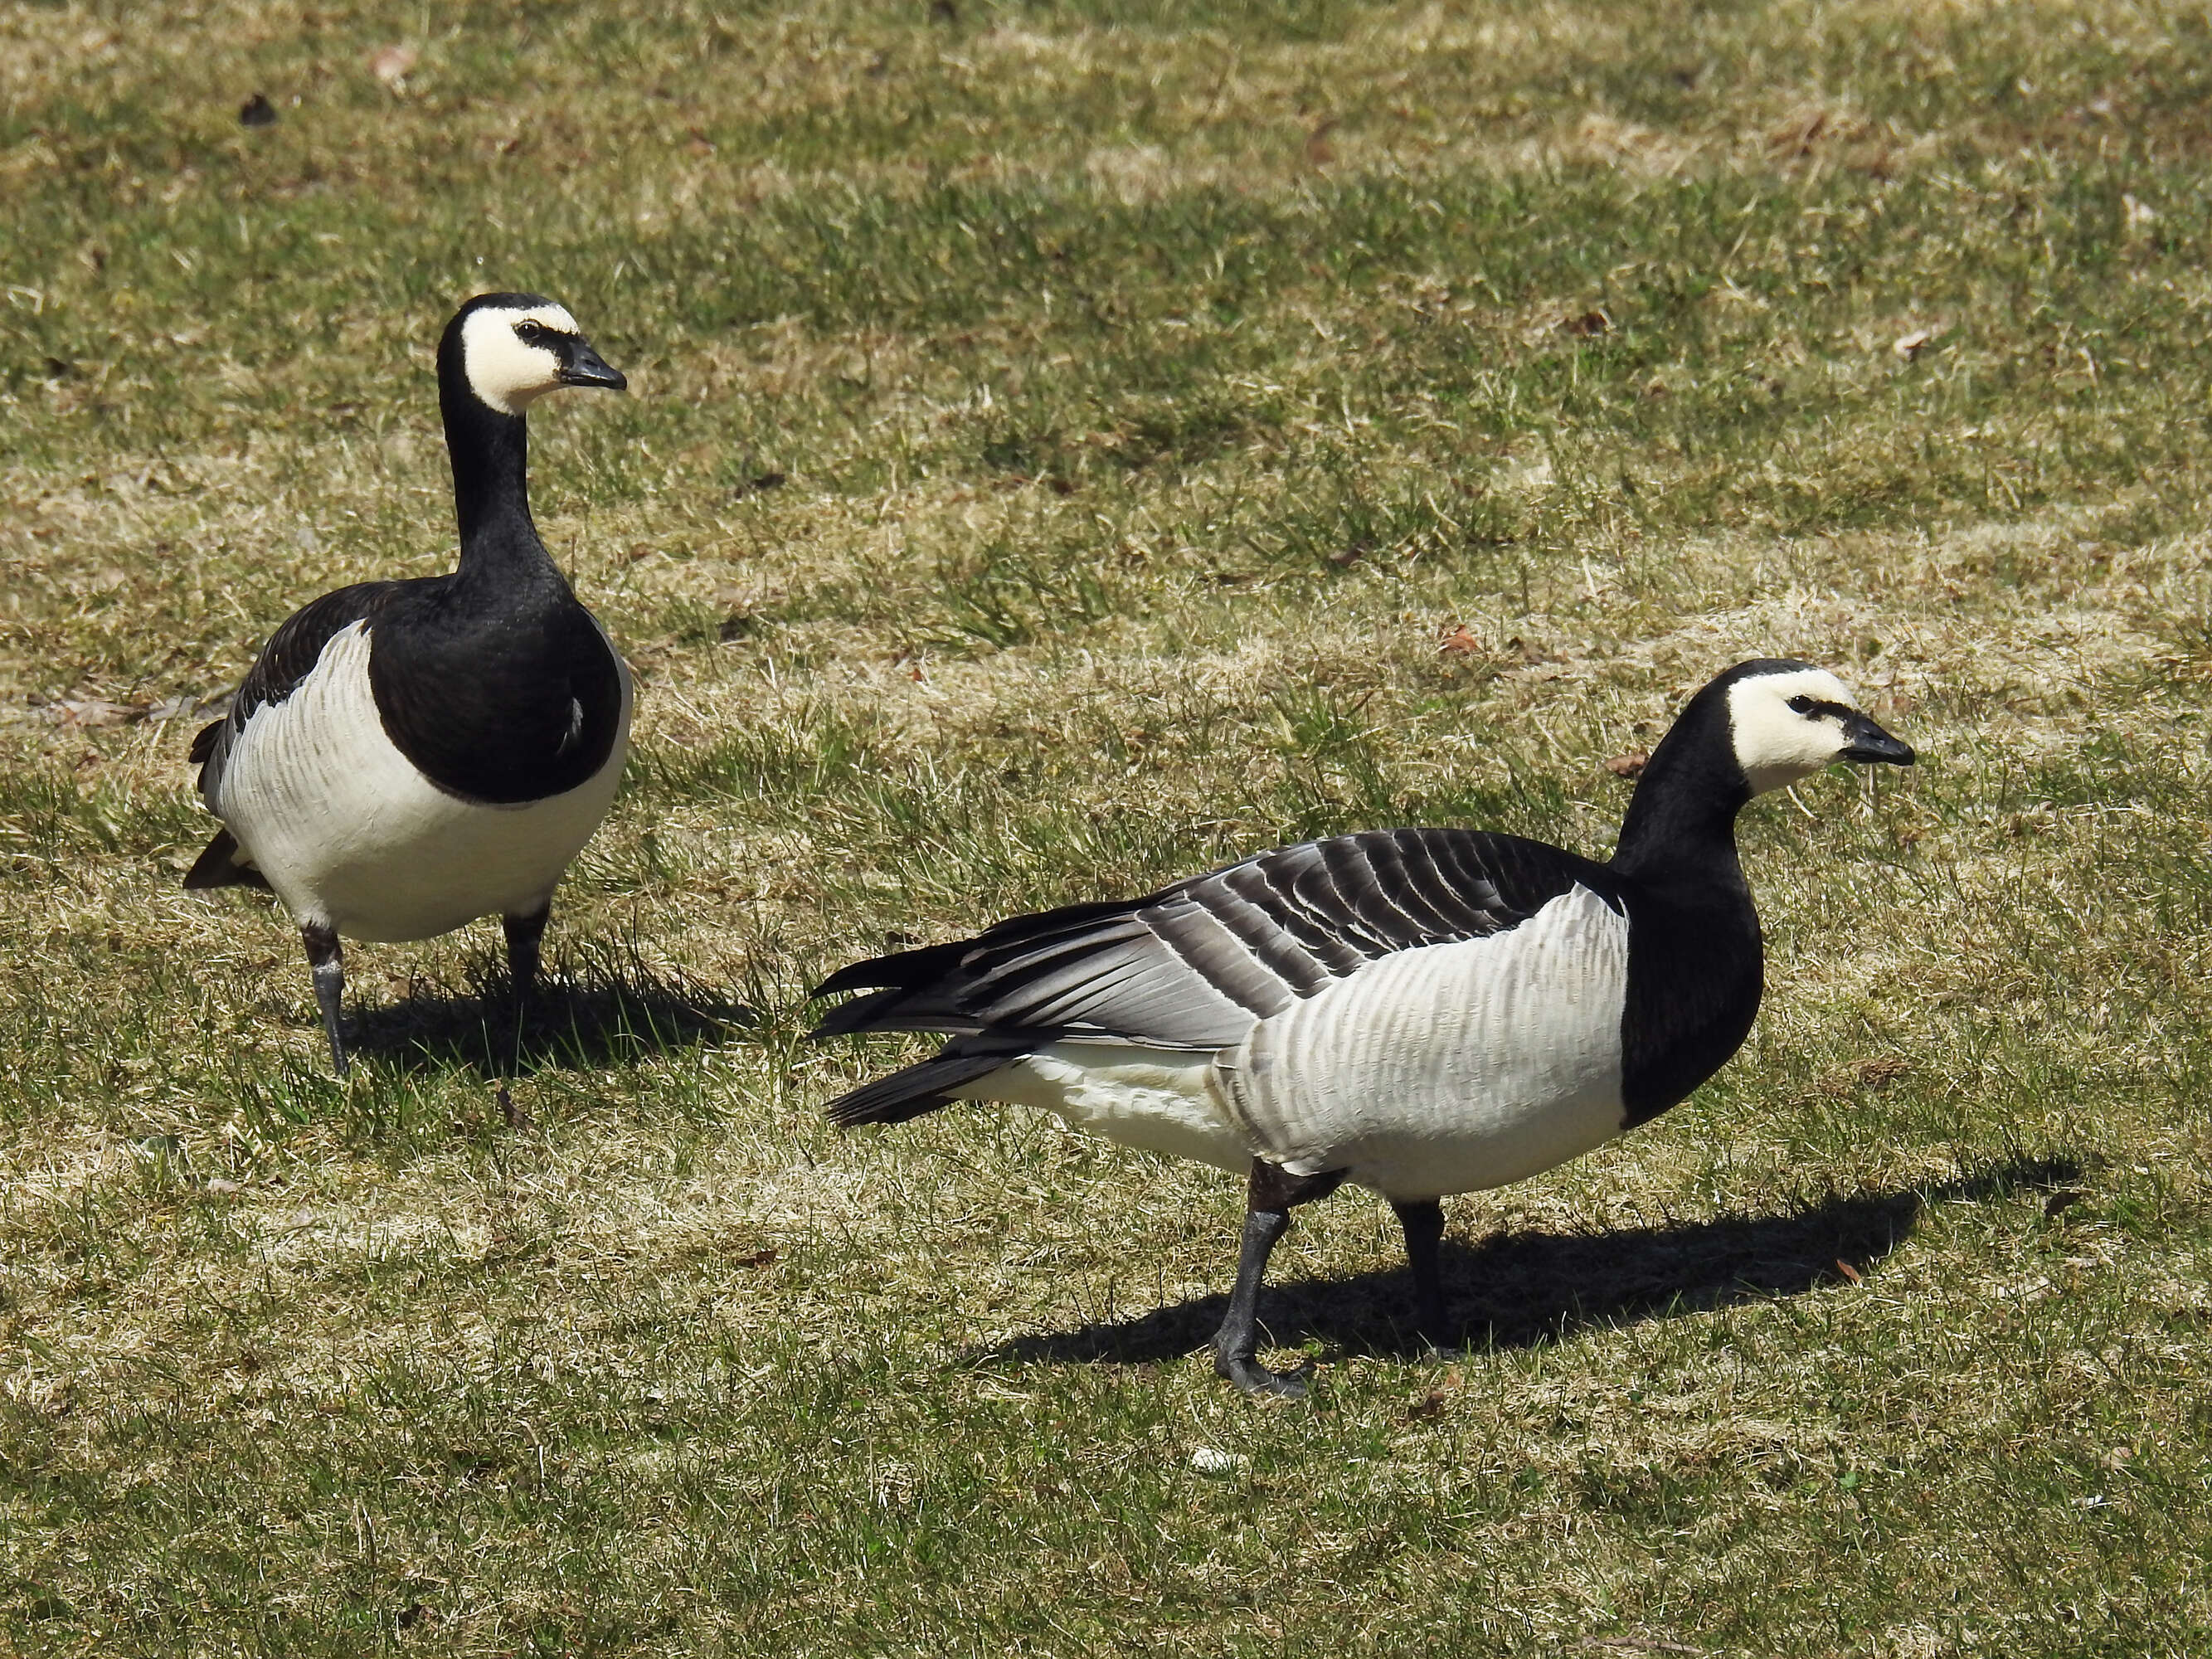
(1450, 1068)
(351, 835)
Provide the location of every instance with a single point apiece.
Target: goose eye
(530, 333)
(1803, 704)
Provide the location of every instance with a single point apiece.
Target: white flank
(1155, 1098)
(1449, 1068)
(1775, 745)
(351, 835)
(503, 371)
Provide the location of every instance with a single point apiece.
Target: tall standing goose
(1420, 1011)
(406, 756)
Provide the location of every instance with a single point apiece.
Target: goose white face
(1789, 724)
(511, 355)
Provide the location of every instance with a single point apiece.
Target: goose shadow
(1532, 1289)
(593, 1009)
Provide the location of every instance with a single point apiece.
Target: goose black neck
(1681, 820)
(490, 455)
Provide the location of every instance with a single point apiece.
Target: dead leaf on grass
(89, 712)
(393, 64)
(184, 705)
(515, 1115)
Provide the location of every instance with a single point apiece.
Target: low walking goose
(1419, 1012)
(406, 756)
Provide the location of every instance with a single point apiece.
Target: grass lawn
(1072, 443)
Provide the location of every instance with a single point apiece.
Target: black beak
(1868, 742)
(586, 367)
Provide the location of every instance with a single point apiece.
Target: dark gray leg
(327, 962)
(524, 935)
(1423, 1219)
(1268, 1201)
(1238, 1339)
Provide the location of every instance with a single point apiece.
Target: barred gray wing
(1198, 964)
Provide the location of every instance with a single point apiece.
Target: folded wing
(1197, 964)
(289, 658)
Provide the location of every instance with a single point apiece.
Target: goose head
(510, 348)
(1787, 720)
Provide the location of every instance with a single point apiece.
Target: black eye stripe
(1811, 707)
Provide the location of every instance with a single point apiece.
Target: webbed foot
(1252, 1378)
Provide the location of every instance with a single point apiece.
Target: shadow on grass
(602, 1008)
(1528, 1289)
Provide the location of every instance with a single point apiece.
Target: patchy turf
(1072, 443)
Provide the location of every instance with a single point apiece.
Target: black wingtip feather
(857, 976)
(854, 1015)
(901, 970)
(204, 742)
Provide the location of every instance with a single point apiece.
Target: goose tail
(224, 863)
(917, 1089)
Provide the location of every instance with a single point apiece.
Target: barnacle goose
(1420, 1011)
(406, 756)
